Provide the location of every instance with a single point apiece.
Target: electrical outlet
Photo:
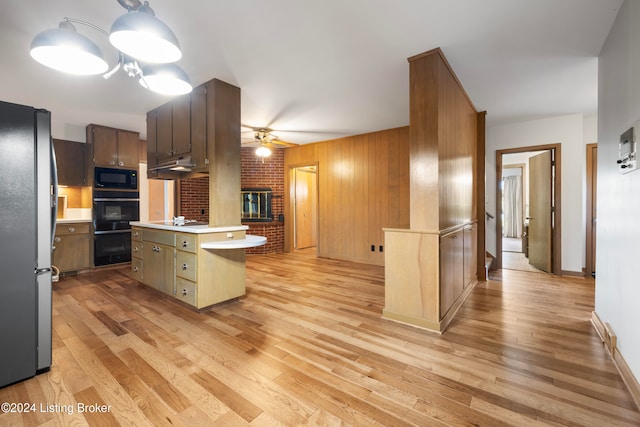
(381, 248)
(373, 248)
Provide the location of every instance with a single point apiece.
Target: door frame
(556, 239)
(592, 151)
(313, 182)
(289, 206)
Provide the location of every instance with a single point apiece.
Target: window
(256, 204)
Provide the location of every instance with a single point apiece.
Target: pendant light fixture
(63, 49)
(167, 79)
(141, 35)
(138, 35)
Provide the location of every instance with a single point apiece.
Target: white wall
(569, 132)
(618, 234)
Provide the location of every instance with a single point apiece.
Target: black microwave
(117, 179)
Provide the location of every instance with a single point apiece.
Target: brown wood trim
(439, 52)
(591, 189)
(557, 232)
(481, 197)
(572, 273)
(620, 363)
(557, 189)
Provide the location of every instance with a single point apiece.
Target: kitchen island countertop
(195, 229)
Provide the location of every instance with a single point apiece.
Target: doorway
(305, 207)
(531, 240)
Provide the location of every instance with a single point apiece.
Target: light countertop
(71, 220)
(249, 241)
(195, 229)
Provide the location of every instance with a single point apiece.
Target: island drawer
(186, 265)
(186, 242)
(186, 291)
(161, 237)
(136, 234)
(136, 269)
(136, 249)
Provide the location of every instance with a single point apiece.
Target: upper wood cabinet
(173, 128)
(169, 133)
(71, 162)
(187, 126)
(114, 148)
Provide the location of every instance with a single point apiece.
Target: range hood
(181, 164)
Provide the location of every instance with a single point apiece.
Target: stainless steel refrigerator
(28, 199)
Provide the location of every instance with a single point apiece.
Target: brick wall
(194, 197)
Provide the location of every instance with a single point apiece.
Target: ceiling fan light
(263, 151)
(141, 35)
(165, 79)
(65, 50)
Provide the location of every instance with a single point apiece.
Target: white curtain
(512, 206)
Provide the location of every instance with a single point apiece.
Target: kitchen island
(196, 264)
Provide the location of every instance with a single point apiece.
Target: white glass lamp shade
(63, 49)
(166, 79)
(144, 37)
(263, 151)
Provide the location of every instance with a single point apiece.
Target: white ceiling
(327, 68)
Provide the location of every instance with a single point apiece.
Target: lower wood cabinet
(428, 274)
(457, 265)
(158, 260)
(158, 266)
(451, 272)
(175, 264)
(72, 244)
(470, 254)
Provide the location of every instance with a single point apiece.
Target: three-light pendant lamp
(147, 50)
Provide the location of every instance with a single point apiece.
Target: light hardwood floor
(307, 345)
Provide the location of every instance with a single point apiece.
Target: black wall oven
(112, 212)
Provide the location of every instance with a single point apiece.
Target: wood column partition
(423, 283)
(223, 145)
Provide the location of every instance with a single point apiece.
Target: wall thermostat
(627, 151)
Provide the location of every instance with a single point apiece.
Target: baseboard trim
(573, 273)
(609, 340)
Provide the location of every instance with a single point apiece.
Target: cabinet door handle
(121, 163)
(112, 162)
(135, 269)
(185, 266)
(135, 249)
(72, 229)
(57, 239)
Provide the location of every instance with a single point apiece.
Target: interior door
(540, 220)
(305, 208)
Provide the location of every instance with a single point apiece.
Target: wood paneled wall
(443, 146)
(363, 186)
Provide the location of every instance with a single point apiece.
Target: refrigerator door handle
(54, 193)
(42, 270)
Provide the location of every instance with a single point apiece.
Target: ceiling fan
(265, 140)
